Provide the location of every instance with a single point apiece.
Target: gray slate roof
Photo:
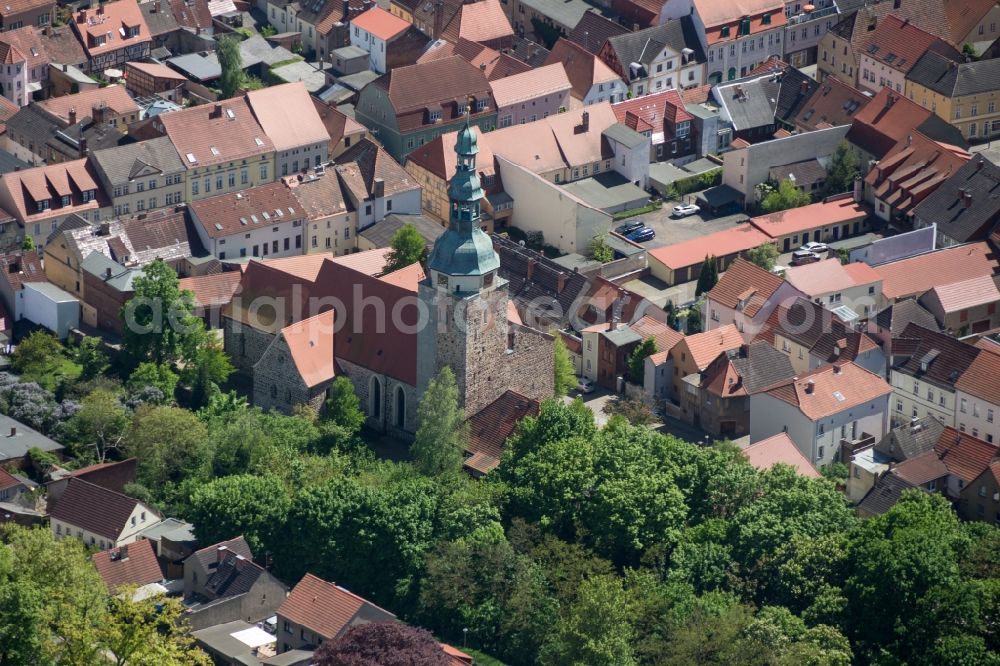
(624, 135)
(910, 439)
(883, 495)
(644, 45)
(898, 315)
(121, 277)
(593, 30)
(380, 234)
(136, 160)
(979, 178)
(763, 367)
(952, 79)
(16, 447)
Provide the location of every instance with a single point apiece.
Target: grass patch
(632, 212)
(481, 658)
(287, 61)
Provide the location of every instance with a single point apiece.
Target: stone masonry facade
(277, 384)
(386, 416)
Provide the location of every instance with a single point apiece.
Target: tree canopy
(565, 377)
(407, 247)
(708, 277)
(158, 321)
(785, 197)
(442, 435)
(765, 256)
(231, 63)
(382, 644)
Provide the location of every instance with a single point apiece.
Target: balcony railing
(811, 16)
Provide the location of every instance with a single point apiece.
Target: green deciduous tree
(173, 448)
(785, 197)
(599, 250)
(231, 62)
(637, 361)
(55, 610)
(92, 358)
(765, 256)
(101, 423)
(407, 247)
(343, 407)
(159, 322)
(565, 378)
(37, 358)
(251, 505)
(442, 434)
(708, 277)
(841, 170)
(158, 375)
(594, 630)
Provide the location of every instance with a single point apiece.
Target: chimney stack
(531, 269)
(803, 87)
(156, 7)
(585, 121)
(561, 284)
(216, 111)
(836, 368)
(220, 553)
(967, 197)
(980, 162)
(98, 113)
(810, 387)
(72, 115)
(107, 273)
(13, 431)
(858, 189)
(379, 188)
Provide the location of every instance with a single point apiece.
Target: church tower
(465, 298)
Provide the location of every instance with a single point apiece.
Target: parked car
(813, 246)
(683, 210)
(628, 227)
(584, 385)
(803, 257)
(641, 235)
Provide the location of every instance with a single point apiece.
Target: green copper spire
(464, 249)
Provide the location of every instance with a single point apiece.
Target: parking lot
(670, 231)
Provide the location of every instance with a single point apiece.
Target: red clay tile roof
(215, 133)
(740, 238)
(780, 448)
(407, 277)
(666, 338)
(94, 509)
(192, 14)
(132, 564)
(916, 275)
(832, 103)
(483, 21)
(456, 656)
(112, 475)
(212, 290)
(982, 377)
(822, 214)
(370, 262)
(310, 343)
(969, 293)
(697, 94)
(16, 269)
(886, 120)
(492, 426)
(12, 8)
(305, 267)
(659, 110)
(715, 14)
(830, 275)
(285, 114)
(434, 85)
(705, 347)
(965, 456)
(912, 169)
(258, 207)
(380, 23)
(110, 21)
(497, 65)
(835, 388)
(327, 609)
(747, 282)
(7, 480)
(583, 68)
(530, 85)
(921, 469)
(210, 554)
(28, 186)
(898, 44)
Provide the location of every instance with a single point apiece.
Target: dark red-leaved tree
(382, 644)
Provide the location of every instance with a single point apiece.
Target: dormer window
(481, 104)
(724, 32)
(434, 115)
(461, 109)
(65, 201)
(766, 20)
(745, 27)
(42, 205)
(89, 195)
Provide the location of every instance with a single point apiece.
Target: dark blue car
(641, 235)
